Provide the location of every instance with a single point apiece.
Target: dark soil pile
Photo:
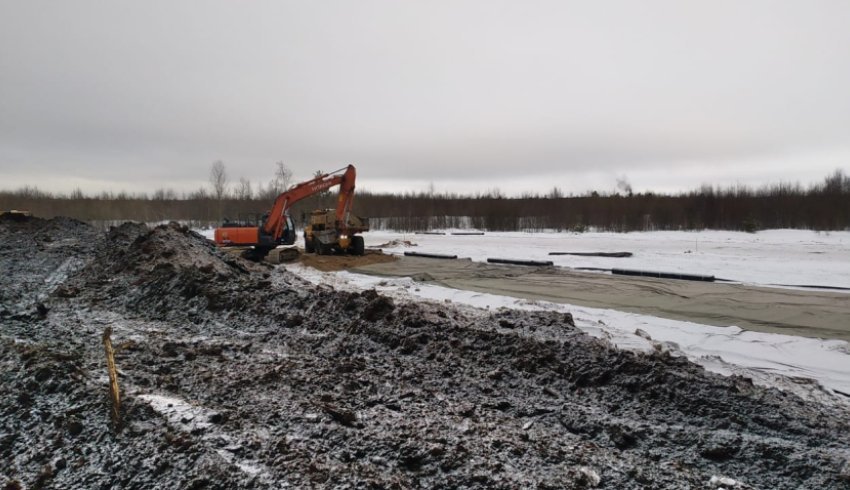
(168, 272)
(238, 375)
(36, 256)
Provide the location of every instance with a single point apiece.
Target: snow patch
(187, 417)
(723, 482)
(179, 413)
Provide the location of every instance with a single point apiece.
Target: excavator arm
(345, 198)
(276, 221)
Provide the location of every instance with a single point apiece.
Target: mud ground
(328, 263)
(807, 313)
(240, 375)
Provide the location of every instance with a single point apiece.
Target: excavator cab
(288, 235)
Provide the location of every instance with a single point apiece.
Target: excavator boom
(276, 221)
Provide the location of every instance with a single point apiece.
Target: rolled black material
(537, 263)
(812, 286)
(468, 233)
(595, 254)
(663, 275)
(429, 256)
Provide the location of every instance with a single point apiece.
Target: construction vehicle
(335, 233)
(322, 234)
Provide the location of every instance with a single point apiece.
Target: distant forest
(823, 206)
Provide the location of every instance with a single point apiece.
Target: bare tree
(262, 192)
(243, 191)
(218, 179)
(624, 185)
(281, 181)
(164, 194)
(283, 176)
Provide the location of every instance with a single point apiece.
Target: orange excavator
(330, 230)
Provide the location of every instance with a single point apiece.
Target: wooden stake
(114, 392)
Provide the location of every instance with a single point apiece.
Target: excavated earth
(240, 375)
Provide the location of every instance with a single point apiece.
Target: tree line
(821, 206)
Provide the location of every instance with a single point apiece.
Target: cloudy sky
(465, 95)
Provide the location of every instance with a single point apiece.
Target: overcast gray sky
(467, 95)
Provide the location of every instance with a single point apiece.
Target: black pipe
(663, 275)
(537, 263)
(467, 233)
(429, 256)
(595, 254)
(802, 286)
(812, 286)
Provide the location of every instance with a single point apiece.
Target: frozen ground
(242, 375)
(802, 365)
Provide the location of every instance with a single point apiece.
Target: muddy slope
(237, 375)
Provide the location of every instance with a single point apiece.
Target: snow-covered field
(789, 257)
(795, 257)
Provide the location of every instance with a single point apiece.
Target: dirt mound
(168, 272)
(237, 375)
(397, 243)
(37, 255)
(135, 247)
